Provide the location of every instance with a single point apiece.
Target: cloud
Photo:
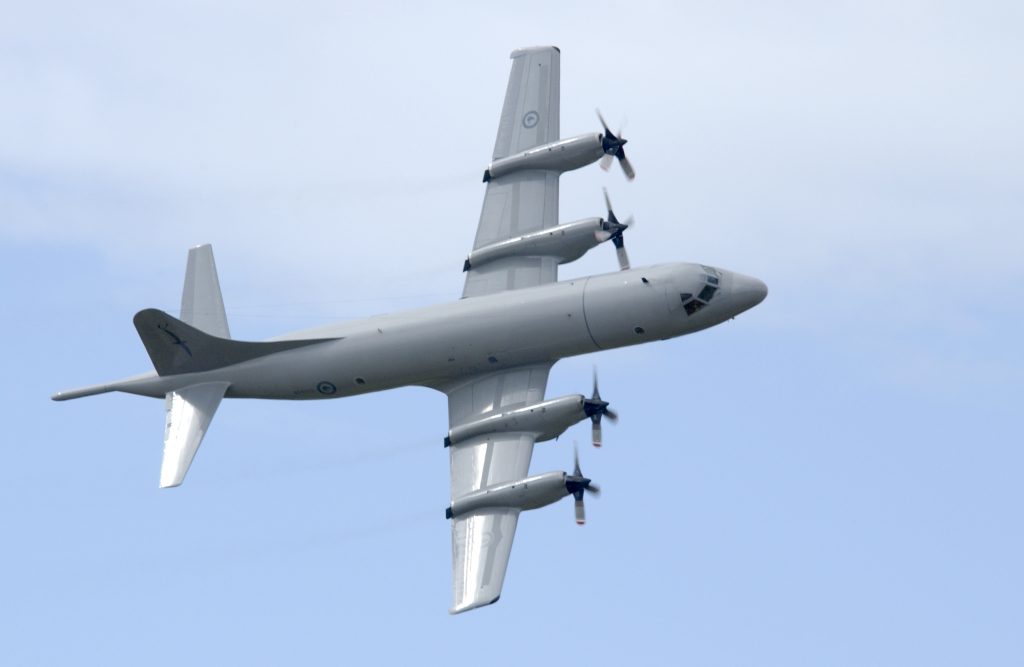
(320, 143)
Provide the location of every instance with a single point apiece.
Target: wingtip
(473, 605)
(534, 49)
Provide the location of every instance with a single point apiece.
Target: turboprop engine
(547, 419)
(567, 154)
(566, 242)
(529, 493)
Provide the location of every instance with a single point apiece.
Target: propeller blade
(607, 203)
(620, 250)
(602, 235)
(627, 167)
(603, 123)
(606, 162)
(612, 416)
(595, 430)
(597, 394)
(577, 485)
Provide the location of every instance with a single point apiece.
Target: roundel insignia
(326, 388)
(530, 119)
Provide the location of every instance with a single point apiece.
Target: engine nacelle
(566, 242)
(523, 494)
(548, 419)
(562, 155)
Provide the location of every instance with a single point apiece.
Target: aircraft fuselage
(437, 345)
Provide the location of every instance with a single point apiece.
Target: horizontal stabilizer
(189, 412)
(176, 347)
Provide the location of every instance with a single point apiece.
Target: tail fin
(200, 340)
(202, 305)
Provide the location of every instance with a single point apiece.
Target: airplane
(490, 352)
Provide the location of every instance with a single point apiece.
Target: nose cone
(747, 292)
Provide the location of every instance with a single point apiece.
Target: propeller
(612, 146)
(576, 484)
(595, 408)
(612, 229)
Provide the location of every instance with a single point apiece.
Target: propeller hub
(576, 484)
(595, 406)
(612, 145)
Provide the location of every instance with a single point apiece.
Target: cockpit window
(712, 279)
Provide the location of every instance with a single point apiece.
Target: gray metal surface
(442, 345)
(189, 413)
(482, 540)
(524, 201)
(481, 543)
(530, 113)
(202, 305)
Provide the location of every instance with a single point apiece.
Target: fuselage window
(707, 293)
(685, 296)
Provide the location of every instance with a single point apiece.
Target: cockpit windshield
(712, 279)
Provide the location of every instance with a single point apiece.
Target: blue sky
(832, 478)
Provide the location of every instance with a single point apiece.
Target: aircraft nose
(747, 292)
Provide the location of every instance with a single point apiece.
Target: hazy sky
(831, 479)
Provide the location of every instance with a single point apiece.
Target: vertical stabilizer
(189, 412)
(202, 305)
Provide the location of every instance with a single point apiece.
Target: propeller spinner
(612, 146)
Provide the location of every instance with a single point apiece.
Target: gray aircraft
(489, 352)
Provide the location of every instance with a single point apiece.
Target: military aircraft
(490, 352)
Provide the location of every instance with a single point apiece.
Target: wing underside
(515, 204)
(482, 540)
(523, 201)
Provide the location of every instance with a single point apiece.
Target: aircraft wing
(523, 201)
(482, 540)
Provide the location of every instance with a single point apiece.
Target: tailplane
(189, 413)
(199, 341)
